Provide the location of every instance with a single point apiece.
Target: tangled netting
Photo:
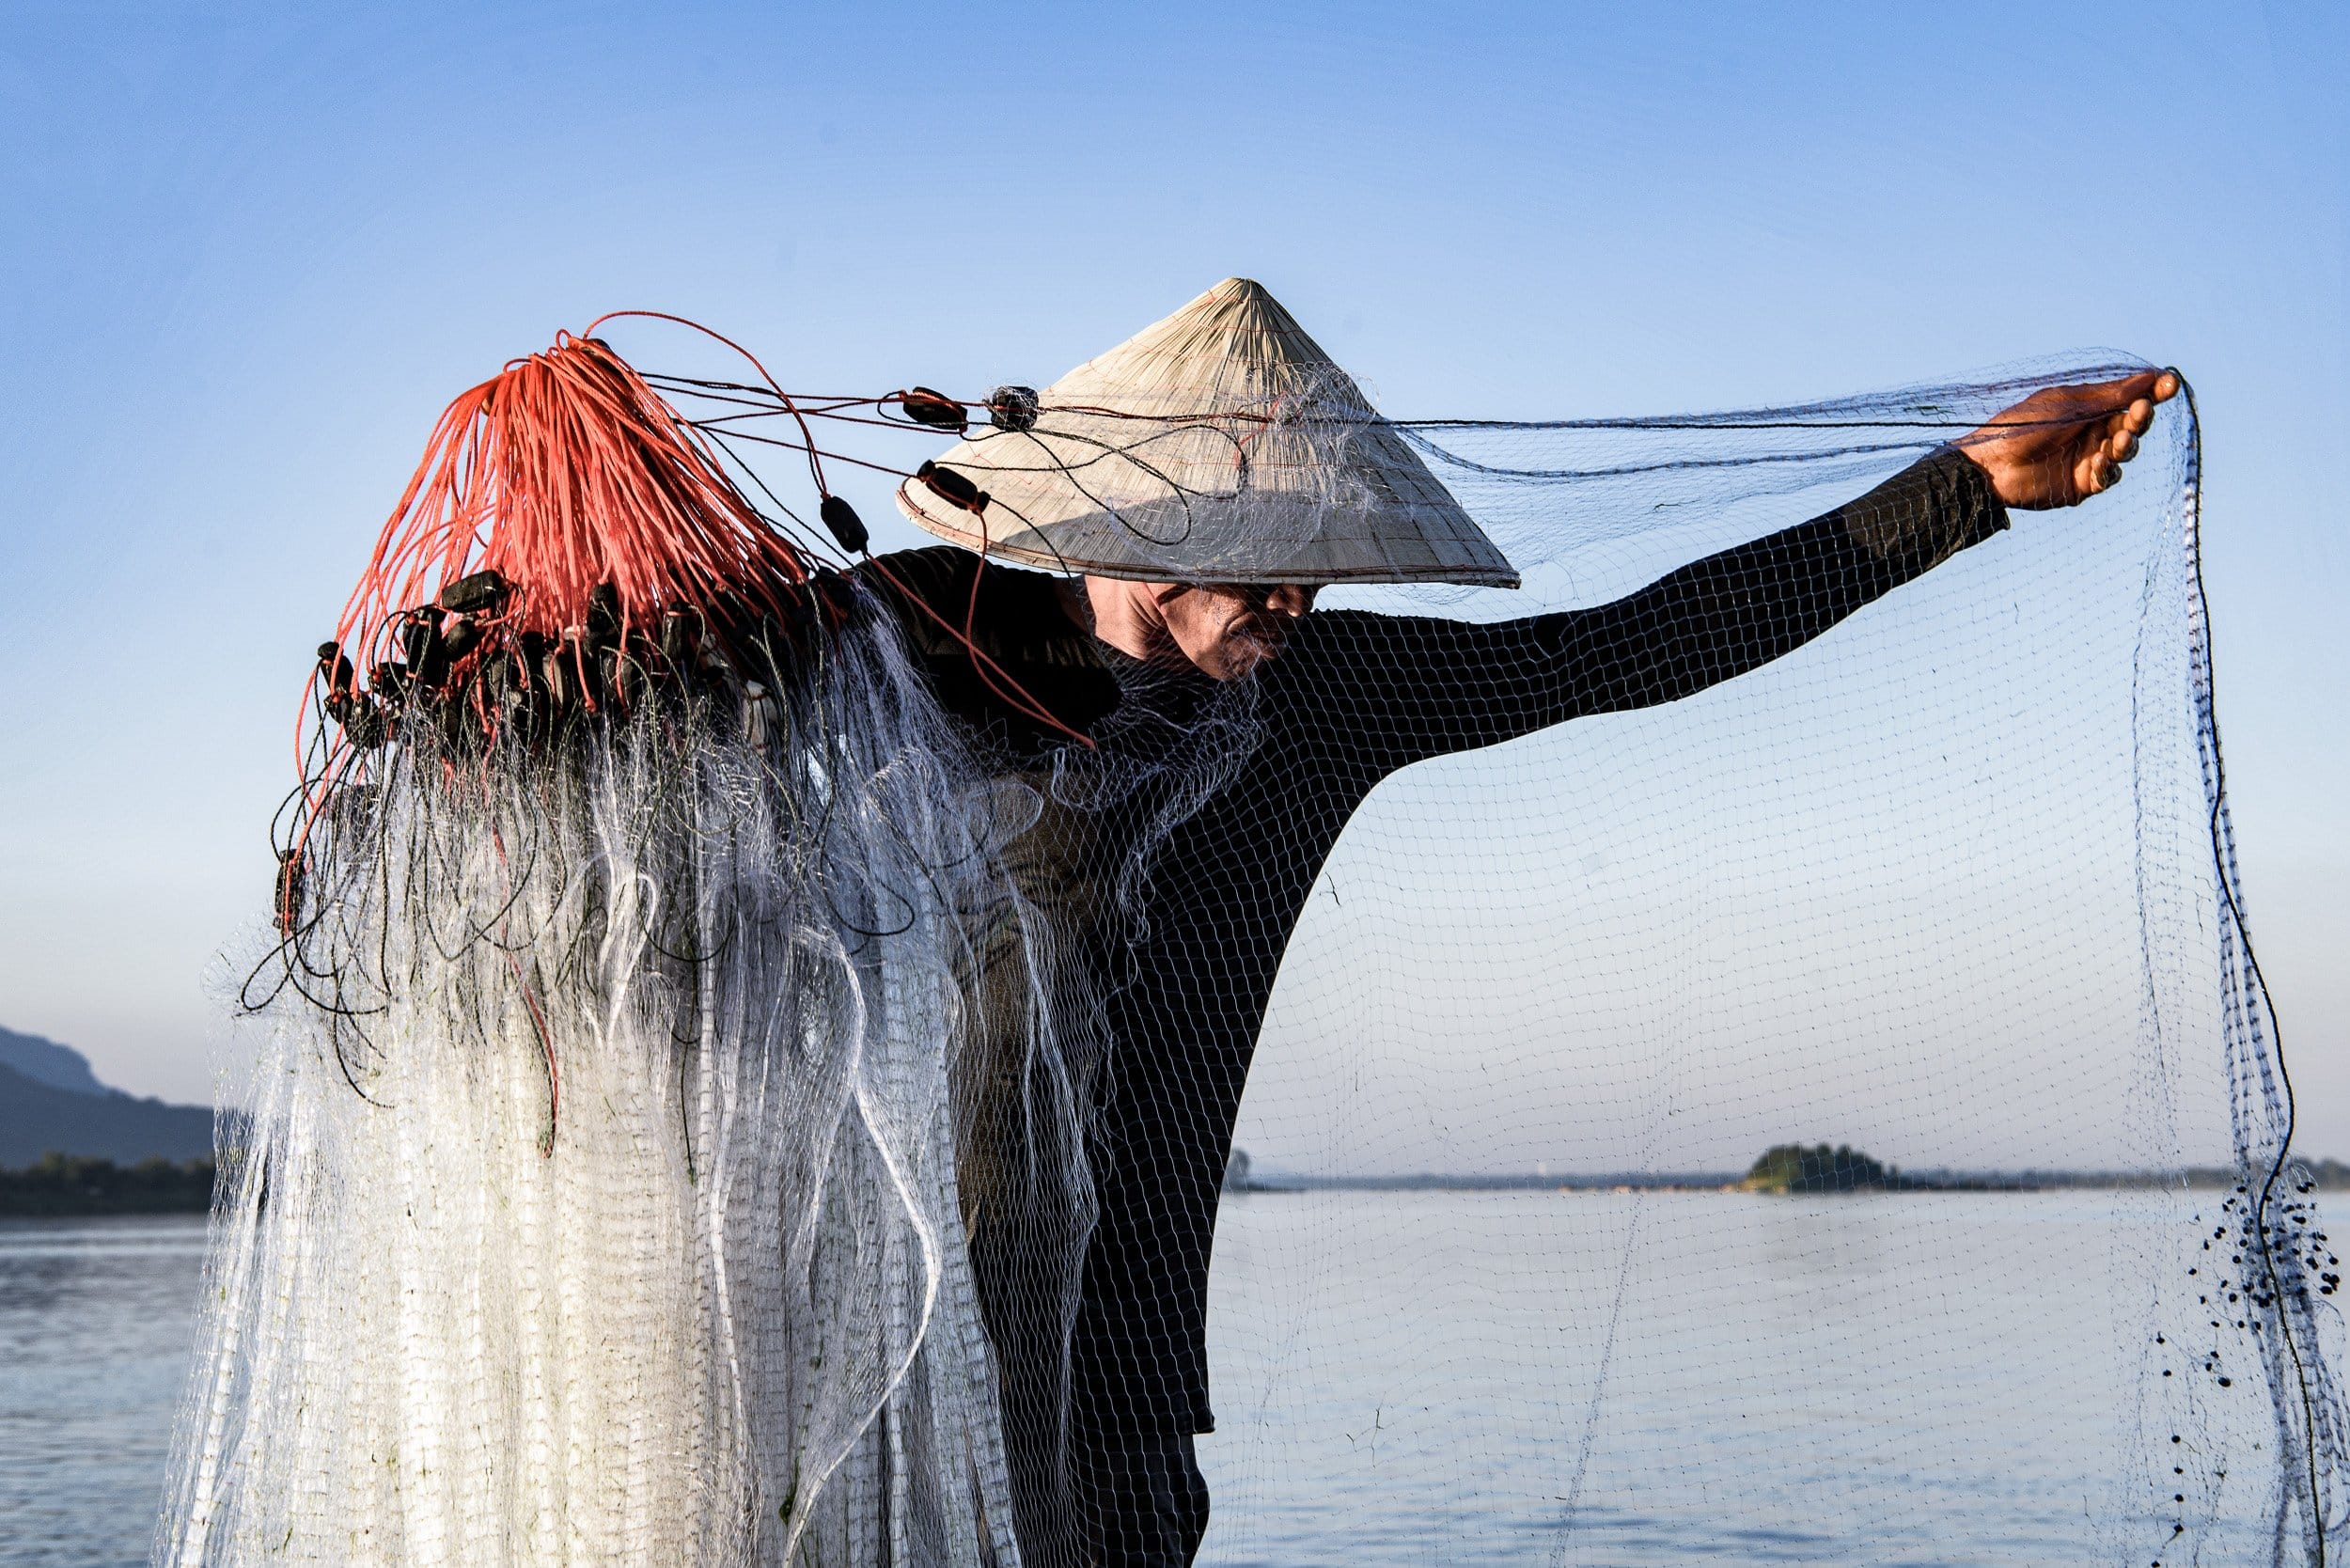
(779, 1114)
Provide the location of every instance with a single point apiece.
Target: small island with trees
(1791, 1168)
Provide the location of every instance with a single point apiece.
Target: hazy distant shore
(2328, 1174)
(62, 1186)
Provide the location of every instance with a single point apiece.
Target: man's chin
(1241, 655)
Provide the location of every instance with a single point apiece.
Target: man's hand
(2064, 444)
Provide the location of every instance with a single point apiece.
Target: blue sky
(249, 251)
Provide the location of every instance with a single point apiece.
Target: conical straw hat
(1220, 445)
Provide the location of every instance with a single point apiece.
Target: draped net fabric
(903, 1038)
(1954, 883)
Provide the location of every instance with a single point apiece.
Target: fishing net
(754, 1049)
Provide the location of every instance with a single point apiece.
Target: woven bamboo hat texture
(1220, 445)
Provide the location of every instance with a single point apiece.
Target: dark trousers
(1141, 1502)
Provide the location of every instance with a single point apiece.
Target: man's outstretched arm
(1427, 686)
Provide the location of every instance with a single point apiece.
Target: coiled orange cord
(563, 472)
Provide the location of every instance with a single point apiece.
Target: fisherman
(1184, 652)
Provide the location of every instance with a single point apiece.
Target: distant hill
(45, 1062)
(51, 1102)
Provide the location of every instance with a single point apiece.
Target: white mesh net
(598, 1191)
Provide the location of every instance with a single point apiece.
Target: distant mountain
(45, 1062)
(50, 1101)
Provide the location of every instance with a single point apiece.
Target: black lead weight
(335, 665)
(428, 658)
(361, 719)
(1012, 408)
(799, 617)
(934, 409)
(461, 638)
(583, 665)
(954, 487)
(631, 677)
(677, 640)
(561, 679)
(846, 525)
(289, 900)
(498, 685)
(484, 593)
(604, 617)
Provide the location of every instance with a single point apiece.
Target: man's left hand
(2064, 444)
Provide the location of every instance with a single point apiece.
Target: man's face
(1229, 629)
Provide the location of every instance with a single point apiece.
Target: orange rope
(564, 472)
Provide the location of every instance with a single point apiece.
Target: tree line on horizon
(70, 1184)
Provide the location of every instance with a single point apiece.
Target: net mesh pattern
(857, 1122)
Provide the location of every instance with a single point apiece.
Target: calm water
(95, 1322)
(1443, 1377)
(1596, 1378)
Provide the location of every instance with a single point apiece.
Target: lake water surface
(95, 1322)
(1424, 1378)
(1635, 1378)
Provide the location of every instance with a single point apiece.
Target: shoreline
(64, 1186)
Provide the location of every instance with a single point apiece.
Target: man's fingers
(2097, 470)
(2146, 387)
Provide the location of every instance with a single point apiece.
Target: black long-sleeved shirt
(1351, 697)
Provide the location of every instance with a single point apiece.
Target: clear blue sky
(248, 251)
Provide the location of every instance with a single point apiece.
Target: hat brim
(1127, 545)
